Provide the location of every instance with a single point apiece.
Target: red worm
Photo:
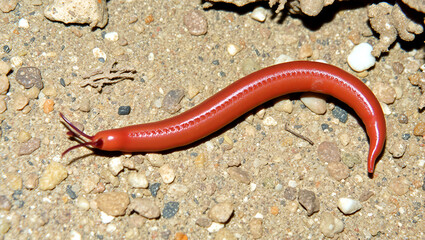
(240, 97)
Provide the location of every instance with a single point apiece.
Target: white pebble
(259, 14)
(215, 227)
(361, 58)
(151, 57)
(16, 62)
(421, 163)
(385, 108)
(138, 180)
(23, 23)
(259, 216)
(105, 218)
(74, 235)
(232, 49)
(167, 173)
(315, 102)
(82, 203)
(116, 166)
(269, 121)
(99, 53)
(282, 58)
(348, 205)
(292, 183)
(111, 36)
(252, 187)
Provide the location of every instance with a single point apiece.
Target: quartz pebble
(239, 175)
(29, 147)
(329, 152)
(82, 203)
(177, 190)
(284, 105)
(167, 173)
(137, 180)
(338, 170)
(145, 207)
(315, 102)
(269, 121)
(4, 84)
(348, 205)
(99, 54)
(232, 49)
(23, 23)
(16, 62)
(116, 166)
(259, 14)
(309, 201)
(112, 36)
(54, 174)
(221, 212)
(330, 225)
(29, 77)
(399, 186)
(113, 203)
(195, 22)
(361, 58)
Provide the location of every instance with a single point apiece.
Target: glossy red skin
(246, 94)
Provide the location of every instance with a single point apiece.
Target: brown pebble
(3, 106)
(145, 207)
(31, 181)
(399, 186)
(149, 19)
(290, 193)
(195, 22)
(113, 203)
(29, 147)
(4, 68)
(329, 152)
(239, 175)
(4, 84)
(309, 201)
(19, 101)
(256, 228)
(5, 204)
(180, 236)
(48, 106)
(29, 77)
(171, 102)
(366, 195)
(398, 67)
(403, 119)
(221, 212)
(338, 170)
(305, 51)
(203, 222)
(419, 129)
(385, 93)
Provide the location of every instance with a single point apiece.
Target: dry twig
(298, 135)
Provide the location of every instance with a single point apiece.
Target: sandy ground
(167, 57)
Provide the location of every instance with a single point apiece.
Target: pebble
(113, 203)
(16, 62)
(4, 225)
(315, 102)
(348, 205)
(309, 201)
(282, 58)
(32, 93)
(74, 235)
(221, 212)
(50, 91)
(419, 129)
(397, 67)
(269, 121)
(99, 54)
(124, 110)
(350, 159)
(361, 58)
(109, 177)
(85, 105)
(54, 174)
(4, 84)
(71, 192)
(259, 14)
(23, 136)
(137, 180)
(344, 139)
(20, 101)
(340, 114)
(239, 175)
(23, 23)
(195, 22)
(330, 225)
(177, 190)
(48, 106)
(29, 77)
(399, 186)
(233, 49)
(249, 65)
(5, 203)
(385, 93)
(223, 233)
(14, 181)
(397, 148)
(305, 51)
(4, 68)
(145, 207)
(171, 102)
(290, 193)
(329, 152)
(203, 222)
(29, 147)
(116, 166)
(31, 181)
(153, 188)
(93, 12)
(284, 105)
(7, 6)
(256, 228)
(403, 119)
(82, 203)
(105, 218)
(3, 107)
(338, 170)
(167, 173)
(366, 195)
(179, 236)
(170, 209)
(112, 36)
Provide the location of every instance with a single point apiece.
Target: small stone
(153, 188)
(232, 49)
(8, 5)
(309, 201)
(99, 54)
(222, 233)
(23, 23)
(350, 159)
(29, 77)
(284, 105)
(330, 225)
(155, 159)
(124, 110)
(23, 136)
(109, 177)
(290, 193)
(20, 101)
(259, 14)
(82, 203)
(338, 170)
(329, 152)
(137, 180)
(171, 102)
(403, 119)
(105, 218)
(48, 106)
(4, 226)
(54, 174)
(315, 102)
(170, 209)
(4, 68)
(115, 166)
(3, 106)
(385, 93)
(348, 205)
(4, 84)
(397, 67)
(203, 222)
(167, 173)
(85, 105)
(113, 203)
(179, 236)
(221, 212)
(361, 58)
(29, 147)
(256, 228)
(5, 204)
(269, 121)
(399, 186)
(305, 51)
(16, 62)
(71, 192)
(340, 114)
(177, 190)
(145, 207)
(112, 36)
(344, 139)
(366, 195)
(31, 181)
(50, 91)
(32, 93)
(397, 149)
(14, 181)
(239, 175)
(419, 129)
(195, 22)
(89, 183)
